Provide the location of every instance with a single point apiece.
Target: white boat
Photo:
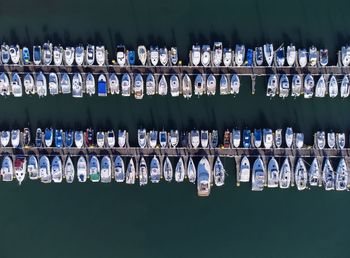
(4, 85)
(90, 54)
(57, 55)
(119, 169)
(16, 85)
(167, 170)
(340, 139)
(272, 85)
(289, 137)
(163, 139)
(53, 84)
(5, 54)
(309, 84)
(244, 170)
(302, 57)
(268, 138)
(5, 138)
(126, 85)
(291, 55)
(162, 86)
(77, 86)
(199, 85)
(82, 171)
(258, 175)
(154, 55)
(205, 55)
(41, 84)
(259, 56)
(313, 56)
(333, 87)
(328, 176)
(314, 173)
(284, 86)
(280, 56)
(20, 167)
(236, 138)
(106, 169)
(14, 53)
(163, 56)
(33, 168)
(320, 139)
(278, 138)
(186, 86)
(113, 83)
(191, 171)
(223, 85)
(268, 53)
(15, 138)
(79, 55)
(174, 85)
(196, 55)
(153, 139)
(300, 175)
(195, 139)
(204, 138)
(227, 57)
(130, 173)
(239, 54)
(323, 57)
(69, 170)
(219, 172)
(65, 84)
(79, 139)
(100, 139)
(28, 83)
(142, 54)
(69, 56)
(273, 173)
(204, 177)
(211, 85)
(141, 137)
(173, 56)
(94, 169)
(341, 177)
(150, 84)
(285, 174)
(331, 140)
(235, 84)
(47, 53)
(56, 170)
(299, 140)
(6, 171)
(217, 53)
(320, 89)
(48, 137)
(138, 86)
(296, 85)
(174, 138)
(143, 172)
(345, 55)
(180, 171)
(155, 170)
(90, 85)
(121, 138)
(44, 170)
(110, 139)
(344, 87)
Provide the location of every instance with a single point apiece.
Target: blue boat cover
(102, 88)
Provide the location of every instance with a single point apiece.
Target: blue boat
(68, 138)
(48, 137)
(38, 138)
(131, 57)
(58, 138)
(246, 138)
(25, 55)
(102, 86)
(37, 55)
(257, 138)
(250, 57)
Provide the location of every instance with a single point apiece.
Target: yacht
(143, 172)
(90, 54)
(205, 55)
(57, 55)
(32, 168)
(65, 84)
(174, 85)
(313, 56)
(341, 176)
(299, 140)
(345, 55)
(284, 86)
(68, 138)
(258, 175)
(162, 86)
(285, 174)
(186, 86)
(151, 84)
(79, 55)
(113, 83)
(331, 140)
(227, 57)
(15, 138)
(100, 139)
(47, 53)
(167, 170)
(20, 166)
(320, 89)
(77, 86)
(219, 172)
(296, 85)
(223, 85)
(268, 138)
(344, 87)
(69, 170)
(302, 57)
(272, 86)
(126, 85)
(328, 175)
(217, 53)
(44, 170)
(16, 85)
(320, 139)
(300, 175)
(204, 138)
(102, 85)
(141, 136)
(119, 169)
(155, 170)
(289, 137)
(314, 173)
(204, 177)
(257, 138)
(333, 87)
(14, 53)
(174, 138)
(340, 138)
(110, 139)
(236, 138)
(269, 53)
(4, 85)
(69, 54)
(90, 84)
(195, 138)
(59, 138)
(163, 139)
(173, 56)
(180, 171)
(79, 139)
(278, 138)
(163, 56)
(154, 55)
(142, 54)
(28, 83)
(36, 55)
(309, 84)
(244, 170)
(291, 55)
(94, 169)
(196, 55)
(272, 173)
(235, 84)
(82, 172)
(211, 85)
(41, 84)
(106, 169)
(138, 86)
(239, 54)
(153, 139)
(56, 169)
(191, 171)
(323, 57)
(6, 171)
(130, 173)
(53, 84)
(100, 55)
(121, 138)
(5, 138)
(259, 56)
(38, 138)
(25, 56)
(199, 85)
(280, 56)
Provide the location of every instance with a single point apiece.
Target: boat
(340, 138)
(126, 85)
(289, 136)
(113, 84)
(239, 54)
(25, 56)
(15, 138)
(219, 172)
(94, 169)
(313, 56)
(227, 139)
(314, 173)
(77, 86)
(174, 138)
(291, 55)
(141, 137)
(184, 140)
(14, 53)
(196, 55)
(26, 137)
(82, 170)
(106, 169)
(174, 85)
(6, 170)
(186, 86)
(154, 55)
(4, 85)
(280, 56)
(16, 85)
(47, 53)
(259, 56)
(211, 85)
(38, 138)
(299, 140)
(333, 87)
(204, 138)
(20, 166)
(119, 169)
(56, 170)
(195, 139)
(236, 138)
(138, 86)
(100, 139)
(65, 84)
(320, 139)
(167, 170)
(223, 85)
(110, 139)
(90, 84)
(214, 137)
(53, 84)
(268, 138)
(131, 57)
(246, 138)
(180, 171)
(130, 173)
(345, 55)
(69, 170)
(300, 175)
(32, 168)
(284, 86)
(328, 175)
(249, 59)
(235, 84)
(155, 170)
(153, 138)
(151, 84)
(320, 89)
(323, 57)
(331, 140)
(257, 138)
(341, 176)
(163, 139)
(217, 53)
(162, 86)
(121, 138)
(44, 170)
(285, 174)
(344, 87)
(302, 57)
(272, 173)
(100, 55)
(142, 54)
(296, 85)
(191, 171)
(143, 172)
(227, 57)
(68, 138)
(5, 54)
(204, 177)
(173, 56)
(28, 83)
(36, 55)
(79, 55)
(272, 86)
(278, 138)
(90, 54)
(41, 84)
(163, 56)
(199, 85)
(101, 86)
(258, 175)
(79, 139)
(89, 137)
(69, 54)
(48, 137)
(59, 138)
(268, 53)
(309, 84)
(57, 55)
(5, 138)
(244, 170)
(205, 55)
(121, 55)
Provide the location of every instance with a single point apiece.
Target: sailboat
(180, 171)
(143, 172)
(285, 174)
(191, 171)
(167, 170)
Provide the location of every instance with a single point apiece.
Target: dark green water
(169, 220)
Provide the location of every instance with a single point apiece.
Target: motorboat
(258, 175)
(38, 138)
(217, 53)
(77, 86)
(227, 57)
(100, 139)
(90, 85)
(257, 138)
(25, 56)
(47, 53)
(331, 140)
(195, 139)
(44, 170)
(173, 56)
(296, 85)
(186, 86)
(100, 55)
(314, 173)
(333, 87)
(214, 139)
(340, 139)
(53, 84)
(320, 89)
(259, 56)
(280, 56)
(249, 57)
(58, 55)
(16, 85)
(110, 139)
(41, 84)
(328, 175)
(15, 138)
(113, 83)
(79, 139)
(184, 139)
(204, 138)
(284, 86)
(196, 55)
(151, 84)
(143, 172)
(302, 57)
(344, 87)
(36, 54)
(300, 175)
(141, 137)
(94, 169)
(5, 138)
(162, 86)
(142, 54)
(163, 56)
(48, 137)
(309, 84)
(4, 85)
(154, 55)
(285, 174)
(59, 138)
(227, 139)
(26, 137)
(69, 56)
(90, 54)
(174, 138)
(153, 139)
(273, 173)
(199, 85)
(119, 169)
(28, 83)
(269, 53)
(130, 173)
(341, 176)
(6, 170)
(106, 169)
(126, 85)
(65, 84)
(180, 171)
(239, 54)
(163, 139)
(191, 171)
(138, 86)
(235, 84)
(167, 170)
(33, 168)
(244, 170)
(69, 170)
(204, 177)
(15, 53)
(121, 138)
(219, 172)
(68, 138)
(320, 139)
(131, 57)
(247, 138)
(211, 85)
(102, 85)
(205, 55)
(272, 86)
(121, 55)
(299, 140)
(56, 170)
(236, 138)
(268, 138)
(345, 55)
(278, 138)
(223, 85)
(89, 137)
(289, 136)
(155, 170)
(323, 57)
(82, 172)
(291, 55)
(20, 167)
(313, 56)
(174, 85)
(79, 55)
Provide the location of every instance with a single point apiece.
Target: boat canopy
(102, 88)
